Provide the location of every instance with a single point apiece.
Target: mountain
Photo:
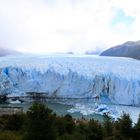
(72, 76)
(95, 51)
(90, 52)
(4, 52)
(128, 49)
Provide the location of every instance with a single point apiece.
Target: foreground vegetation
(40, 123)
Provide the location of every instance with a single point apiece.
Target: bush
(9, 135)
(14, 122)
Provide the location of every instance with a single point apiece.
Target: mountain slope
(4, 52)
(128, 49)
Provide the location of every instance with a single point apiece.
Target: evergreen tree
(40, 123)
(125, 125)
(107, 126)
(137, 130)
(69, 123)
(94, 131)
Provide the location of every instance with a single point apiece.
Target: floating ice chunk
(102, 108)
(15, 102)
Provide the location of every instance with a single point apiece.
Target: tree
(108, 126)
(65, 124)
(69, 123)
(94, 131)
(125, 125)
(137, 130)
(40, 123)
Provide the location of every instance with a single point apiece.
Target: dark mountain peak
(132, 43)
(127, 49)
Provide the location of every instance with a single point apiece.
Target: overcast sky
(41, 26)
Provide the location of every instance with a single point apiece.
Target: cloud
(65, 25)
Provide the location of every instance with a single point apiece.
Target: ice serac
(69, 76)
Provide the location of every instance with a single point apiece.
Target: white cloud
(64, 25)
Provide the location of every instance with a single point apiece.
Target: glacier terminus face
(112, 79)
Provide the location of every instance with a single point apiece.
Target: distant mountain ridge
(4, 52)
(128, 49)
(93, 52)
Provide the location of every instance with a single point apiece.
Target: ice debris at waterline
(89, 109)
(113, 111)
(107, 79)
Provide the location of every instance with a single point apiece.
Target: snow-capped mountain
(70, 76)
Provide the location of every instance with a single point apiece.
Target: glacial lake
(84, 108)
(60, 108)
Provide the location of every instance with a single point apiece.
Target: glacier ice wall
(116, 80)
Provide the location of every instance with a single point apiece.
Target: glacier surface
(115, 80)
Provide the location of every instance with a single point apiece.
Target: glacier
(111, 79)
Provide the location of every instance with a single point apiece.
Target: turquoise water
(60, 108)
(77, 108)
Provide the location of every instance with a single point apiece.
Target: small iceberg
(15, 101)
(102, 108)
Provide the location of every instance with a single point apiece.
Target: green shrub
(9, 135)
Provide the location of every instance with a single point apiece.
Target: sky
(48, 26)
